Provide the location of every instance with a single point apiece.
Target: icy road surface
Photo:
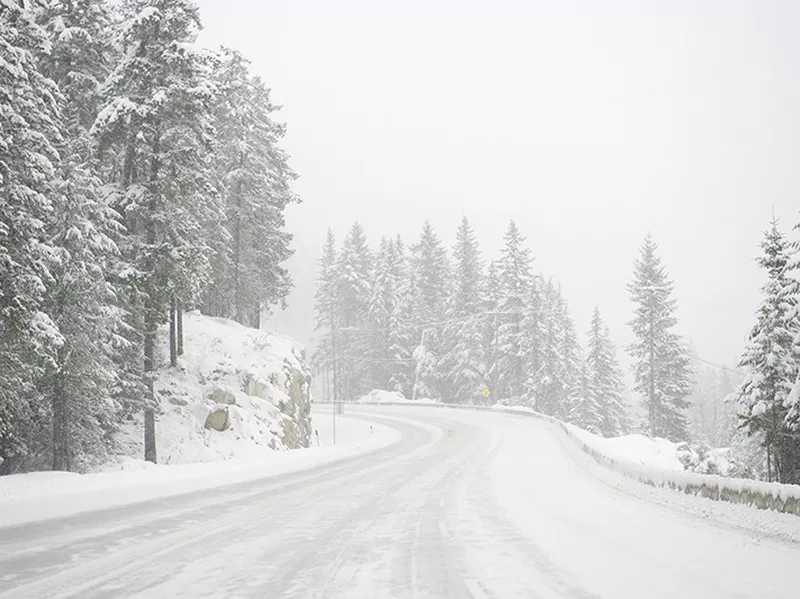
(466, 504)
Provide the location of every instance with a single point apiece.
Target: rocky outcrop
(297, 427)
(223, 396)
(218, 420)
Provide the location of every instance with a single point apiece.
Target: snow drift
(236, 392)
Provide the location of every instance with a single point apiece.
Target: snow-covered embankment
(229, 413)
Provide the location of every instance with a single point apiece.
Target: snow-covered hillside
(236, 392)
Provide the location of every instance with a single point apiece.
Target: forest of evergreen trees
(140, 176)
(445, 325)
(426, 322)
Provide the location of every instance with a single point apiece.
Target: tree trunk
(335, 359)
(769, 462)
(239, 309)
(61, 453)
(173, 343)
(151, 308)
(179, 318)
(150, 325)
(653, 410)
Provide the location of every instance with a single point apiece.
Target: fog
(590, 125)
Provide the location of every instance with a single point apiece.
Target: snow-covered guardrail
(766, 496)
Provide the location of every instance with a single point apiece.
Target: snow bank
(380, 396)
(44, 495)
(636, 449)
(237, 392)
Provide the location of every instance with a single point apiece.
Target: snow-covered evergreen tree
(326, 310)
(514, 277)
(584, 405)
(548, 389)
(354, 272)
(605, 379)
(661, 362)
(254, 179)
(771, 361)
(534, 341)
(388, 351)
(155, 131)
(491, 306)
(80, 298)
(724, 413)
(464, 362)
(29, 136)
(429, 292)
(571, 364)
(400, 323)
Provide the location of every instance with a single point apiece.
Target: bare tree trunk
(179, 310)
(239, 311)
(173, 342)
(151, 311)
(769, 462)
(61, 453)
(149, 373)
(653, 410)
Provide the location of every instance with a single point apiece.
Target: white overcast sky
(590, 123)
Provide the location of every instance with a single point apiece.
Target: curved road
(466, 504)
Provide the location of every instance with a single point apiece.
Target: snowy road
(467, 504)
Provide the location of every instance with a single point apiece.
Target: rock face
(223, 396)
(218, 420)
(297, 427)
(255, 387)
(236, 387)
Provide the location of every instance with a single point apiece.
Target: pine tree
(702, 405)
(254, 179)
(491, 307)
(585, 410)
(534, 341)
(430, 289)
(545, 387)
(605, 379)
(354, 271)
(661, 363)
(29, 161)
(724, 412)
(326, 308)
(464, 362)
(155, 130)
(400, 331)
(772, 361)
(514, 279)
(80, 298)
(388, 349)
(381, 305)
(569, 355)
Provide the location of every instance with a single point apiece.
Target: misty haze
(430, 300)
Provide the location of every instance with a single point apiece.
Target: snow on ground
(383, 396)
(43, 495)
(226, 368)
(638, 449)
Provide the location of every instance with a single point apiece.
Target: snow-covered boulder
(236, 392)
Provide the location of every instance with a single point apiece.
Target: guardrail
(762, 495)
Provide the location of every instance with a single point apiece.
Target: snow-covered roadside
(766, 496)
(45, 495)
